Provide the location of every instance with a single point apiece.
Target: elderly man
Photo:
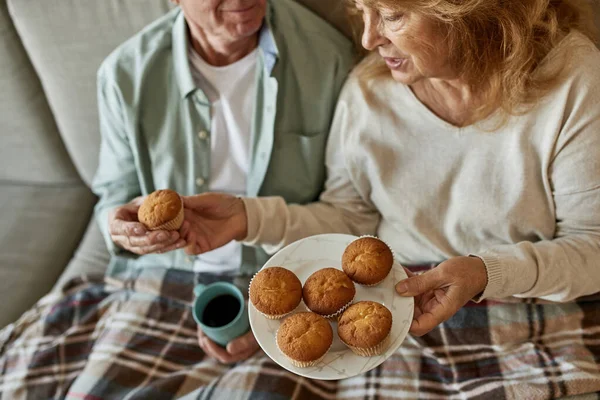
(233, 96)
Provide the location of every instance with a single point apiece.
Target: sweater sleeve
(341, 208)
(568, 266)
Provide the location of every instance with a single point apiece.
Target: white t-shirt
(232, 91)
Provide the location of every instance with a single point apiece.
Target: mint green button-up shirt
(155, 123)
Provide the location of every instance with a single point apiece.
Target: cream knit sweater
(524, 198)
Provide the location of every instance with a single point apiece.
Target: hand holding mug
(238, 349)
(223, 326)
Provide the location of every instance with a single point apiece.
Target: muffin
(328, 292)
(162, 210)
(275, 292)
(365, 328)
(304, 338)
(367, 261)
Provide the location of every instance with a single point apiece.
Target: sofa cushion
(40, 228)
(66, 41)
(31, 149)
(331, 10)
(596, 10)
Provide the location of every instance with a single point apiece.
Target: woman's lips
(394, 63)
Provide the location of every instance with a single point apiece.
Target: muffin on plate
(162, 210)
(365, 328)
(367, 260)
(275, 292)
(328, 292)
(304, 338)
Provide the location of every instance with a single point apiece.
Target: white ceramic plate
(307, 256)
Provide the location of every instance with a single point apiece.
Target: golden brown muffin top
(304, 336)
(365, 324)
(275, 291)
(367, 260)
(328, 290)
(159, 207)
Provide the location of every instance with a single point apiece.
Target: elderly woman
(468, 137)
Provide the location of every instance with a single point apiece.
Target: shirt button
(200, 182)
(202, 135)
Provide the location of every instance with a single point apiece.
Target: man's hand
(442, 291)
(128, 233)
(212, 220)
(237, 350)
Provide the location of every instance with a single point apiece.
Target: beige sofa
(49, 53)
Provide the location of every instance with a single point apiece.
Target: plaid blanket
(134, 338)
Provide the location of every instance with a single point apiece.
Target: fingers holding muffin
(148, 224)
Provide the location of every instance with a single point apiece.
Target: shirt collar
(266, 41)
(183, 74)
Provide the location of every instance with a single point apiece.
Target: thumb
(138, 201)
(203, 201)
(126, 212)
(241, 344)
(194, 202)
(419, 284)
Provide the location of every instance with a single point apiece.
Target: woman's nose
(372, 37)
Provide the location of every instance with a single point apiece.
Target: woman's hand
(128, 233)
(442, 291)
(212, 220)
(237, 350)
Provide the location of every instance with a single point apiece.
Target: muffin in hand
(304, 338)
(275, 292)
(162, 210)
(328, 292)
(365, 328)
(367, 261)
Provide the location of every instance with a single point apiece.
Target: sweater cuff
(495, 277)
(253, 218)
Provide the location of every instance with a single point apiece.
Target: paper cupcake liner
(394, 259)
(250, 284)
(306, 364)
(372, 284)
(301, 364)
(174, 224)
(336, 314)
(267, 316)
(370, 351)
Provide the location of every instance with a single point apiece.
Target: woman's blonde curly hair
(498, 46)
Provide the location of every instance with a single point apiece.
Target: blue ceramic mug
(221, 334)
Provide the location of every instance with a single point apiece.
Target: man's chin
(247, 29)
